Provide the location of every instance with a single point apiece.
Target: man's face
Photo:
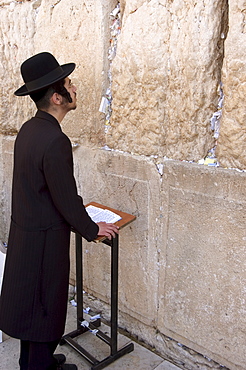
(71, 88)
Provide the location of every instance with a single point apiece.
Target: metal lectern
(111, 340)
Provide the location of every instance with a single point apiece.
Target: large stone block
(202, 279)
(165, 76)
(78, 32)
(232, 141)
(133, 186)
(74, 32)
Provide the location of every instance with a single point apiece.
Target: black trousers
(37, 355)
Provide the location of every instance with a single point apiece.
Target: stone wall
(182, 262)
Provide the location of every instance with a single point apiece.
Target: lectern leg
(79, 279)
(114, 292)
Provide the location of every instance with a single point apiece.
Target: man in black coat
(45, 205)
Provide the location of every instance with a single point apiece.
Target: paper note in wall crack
(102, 215)
(104, 104)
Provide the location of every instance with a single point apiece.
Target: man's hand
(108, 230)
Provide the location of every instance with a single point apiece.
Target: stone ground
(140, 358)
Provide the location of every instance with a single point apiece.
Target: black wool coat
(45, 205)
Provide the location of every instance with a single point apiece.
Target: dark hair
(42, 97)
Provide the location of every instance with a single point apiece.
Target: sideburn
(68, 96)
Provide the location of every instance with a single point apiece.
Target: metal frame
(112, 339)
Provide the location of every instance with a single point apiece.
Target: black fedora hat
(41, 71)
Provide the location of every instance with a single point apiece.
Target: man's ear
(56, 99)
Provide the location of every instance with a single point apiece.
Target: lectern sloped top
(126, 218)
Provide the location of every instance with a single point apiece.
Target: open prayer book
(102, 215)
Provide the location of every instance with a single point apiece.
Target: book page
(102, 215)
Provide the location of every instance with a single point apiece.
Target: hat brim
(67, 70)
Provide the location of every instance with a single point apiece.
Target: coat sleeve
(58, 171)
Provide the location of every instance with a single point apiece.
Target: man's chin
(73, 105)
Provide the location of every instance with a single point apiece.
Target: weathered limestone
(202, 292)
(165, 77)
(73, 31)
(78, 32)
(232, 141)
